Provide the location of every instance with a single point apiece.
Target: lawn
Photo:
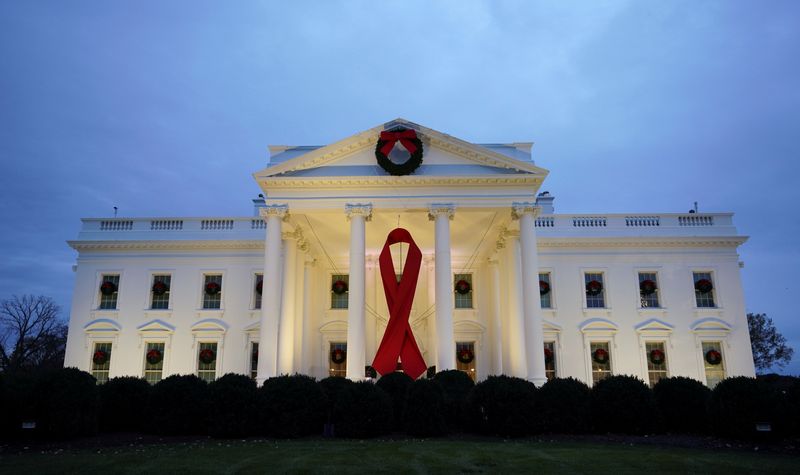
(393, 456)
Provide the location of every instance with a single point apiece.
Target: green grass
(406, 456)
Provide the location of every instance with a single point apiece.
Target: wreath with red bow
(154, 356)
(544, 288)
(703, 286)
(108, 287)
(713, 357)
(548, 355)
(594, 287)
(466, 356)
(600, 356)
(260, 286)
(160, 288)
(338, 356)
(213, 288)
(657, 356)
(408, 138)
(100, 357)
(463, 287)
(207, 356)
(339, 287)
(647, 287)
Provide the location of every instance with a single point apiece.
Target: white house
(504, 286)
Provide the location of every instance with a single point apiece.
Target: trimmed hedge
(622, 404)
(122, 404)
(65, 403)
(233, 400)
(178, 406)
(396, 386)
(681, 404)
(362, 410)
(424, 412)
(738, 404)
(504, 406)
(786, 399)
(564, 406)
(332, 387)
(291, 406)
(456, 386)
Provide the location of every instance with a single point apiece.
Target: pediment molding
(598, 325)
(711, 324)
(654, 325)
(102, 325)
(156, 326)
(210, 325)
(400, 181)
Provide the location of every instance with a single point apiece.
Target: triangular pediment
(156, 326)
(654, 325)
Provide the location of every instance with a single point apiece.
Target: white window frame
(100, 341)
(201, 288)
(329, 292)
(549, 271)
(606, 293)
(707, 330)
(253, 293)
(101, 330)
(149, 291)
(552, 333)
(99, 280)
(143, 351)
(654, 330)
(156, 331)
(473, 294)
(715, 295)
(662, 306)
(599, 330)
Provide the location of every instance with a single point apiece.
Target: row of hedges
(66, 403)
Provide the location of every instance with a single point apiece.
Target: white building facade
(504, 286)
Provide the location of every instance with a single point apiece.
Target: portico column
(497, 326)
(271, 297)
(286, 328)
(357, 214)
(446, 346)
(532, 307)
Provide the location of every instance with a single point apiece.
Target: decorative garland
(703, 286)
(154, 356)
(463, 287)
(338, 356)
(647, 287)
(100, 357)
(207, 356)
(593, 287)
(466, 356)
(713, 357)
(544, 288)
(339, 287)
(548, 355)
(160, 288)
(600, 356)
(213, 288)
(108, 287)
(409, 140)
(657, 356)
(260, 286)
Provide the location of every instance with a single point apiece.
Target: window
(714, 363)
(212, 291)
(337, 360)
(595, 290)
(601, 360)
(207, 361)
(153, 362)
(465, 358)
(254, 359)
(648, 290)
(109, 290)
(463, 300)
(656, 355)
(257, 289)
(339, 292)
(550, 360)
(159, 292)
(545, 290)
(101, 361)
(704, 289)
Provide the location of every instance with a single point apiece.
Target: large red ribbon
(398, 340)
(405, 137)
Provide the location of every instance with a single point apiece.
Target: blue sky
(165, 108)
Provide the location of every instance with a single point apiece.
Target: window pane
(545, 298)
(160, 301)
(100, 368)
(109, 301)
(207, 371)
(339, 300)
(714, 372)
(550, 366)
(465, 351)
(655, 351)
(212, 301)
(598, 300)
(337, 369)
(254, 359)
(704, 299)
(648, 300)
(153, 371)
(600, 370)
(463, 300)
(256, 295)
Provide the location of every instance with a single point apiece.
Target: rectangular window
(595, 290)
(337, 364)
(463, 292)
(550, 360)
(254, 359)
(656, 355)
(339, 292)
(713, 362)
(257, 290)
(601, 360)
(101, 361)
(648, 290)
(704, 289)
(153, 362)
(212, 291)
(109, 290)
(207, 361)
(465, 358)
(545, 290)
(159, 292)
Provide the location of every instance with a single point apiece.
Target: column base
(539, 382)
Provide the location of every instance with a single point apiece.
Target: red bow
(398, 339)
(405, 137)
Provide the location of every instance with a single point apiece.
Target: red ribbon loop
(405, 137)
(398, 339)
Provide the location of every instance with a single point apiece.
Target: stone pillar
(271, 297)
(532, 307)
(517, 358)
(286, 330)
(446, 345)
(357, 214)
(305, 350)
(497, 324)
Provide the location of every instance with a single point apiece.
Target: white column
(446, 345)
(517, 355)
(286, 326)
(497, 325)
(305, 348)
(271, 297)
(358, 214)
(532, 307)
(371, 323)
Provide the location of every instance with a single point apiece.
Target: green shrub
(504, 406)
(622, 404)
(20, 402)
(456, 386)
(332, 386)
(396, 386)
(178, 406)
(122, 404)
(786, 403)
(66, 403)
(291, 406)
(233, 406)
(424, 415)
(362, 410)
(681, 403)
(564, 406)
(738, 404)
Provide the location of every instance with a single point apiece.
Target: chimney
(546, 202)
(258, 203)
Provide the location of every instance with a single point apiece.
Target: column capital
(358, 209)
(518, 209)
(281, 211)
(441, 209)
